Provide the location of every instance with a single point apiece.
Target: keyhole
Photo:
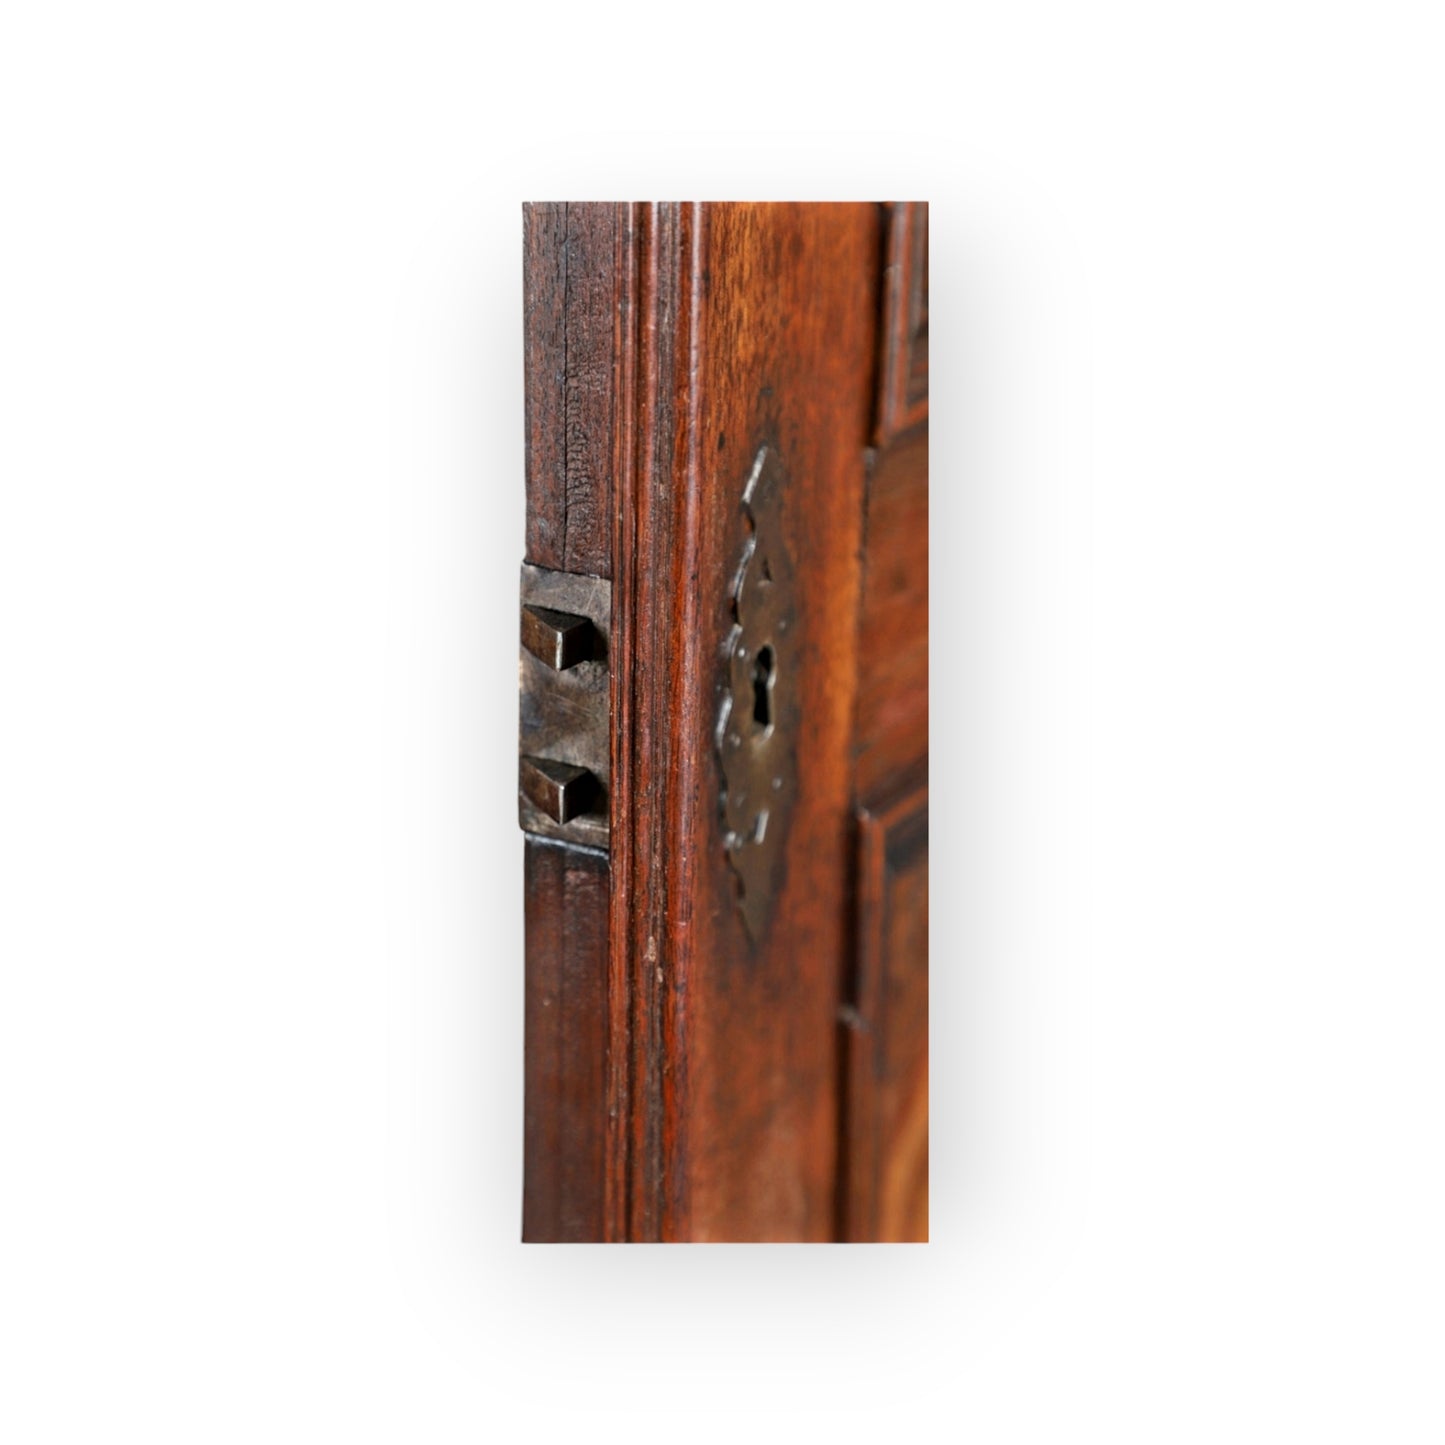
(763, 688)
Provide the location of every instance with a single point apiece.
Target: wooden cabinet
(724, 672)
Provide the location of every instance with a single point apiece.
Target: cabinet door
(723, 773)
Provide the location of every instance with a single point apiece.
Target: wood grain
(886, 1148)
(667, 343)
(570, 319)
(893, 619)
(566, 1043)
(903, 336)
(753, 331)
(576, 313)
(884, 1145)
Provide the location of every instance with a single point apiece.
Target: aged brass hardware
(565, 731)
(560, 639)
(562, 791)
(757, 721)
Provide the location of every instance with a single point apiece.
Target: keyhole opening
(763, 688)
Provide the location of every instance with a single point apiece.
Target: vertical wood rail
(572, 316)
(566, 1043)
(653, 590)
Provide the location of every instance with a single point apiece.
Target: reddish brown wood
(885, 1134)
(903, 359)
(570, 287)
(573, 314)
(893, 622)
(716, 1106)
(886, 1139)
(751, 331)
(566, 1043)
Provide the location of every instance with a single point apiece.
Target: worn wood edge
(621, 1059)
(544, 291)
(570, 290)
(688, 689)
(655, 602)
(898, 412)
(563, 1186)
(652, 362)
(567, 870)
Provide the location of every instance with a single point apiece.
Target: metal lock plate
(758, 717)
(565, 733)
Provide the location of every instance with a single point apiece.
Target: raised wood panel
(886, 1166)
(893, 619)
(884, 1171)
(903, 336)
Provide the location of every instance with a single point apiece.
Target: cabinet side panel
(566, 1044)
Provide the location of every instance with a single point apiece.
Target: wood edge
(655, 494)
(864, 1021)
(621, 1046)
(896, 414)
(562, 1183)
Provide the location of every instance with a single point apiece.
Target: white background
(260, 979)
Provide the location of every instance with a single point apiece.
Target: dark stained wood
(566, 1043)
(574, 313)
(886, 1080)
(715, 1104)
(570, 288)
(544, 292)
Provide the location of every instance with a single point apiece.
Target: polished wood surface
(886, 1148)
(667, 344)
(893, 620)
(885, 1143)
(779, 351)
